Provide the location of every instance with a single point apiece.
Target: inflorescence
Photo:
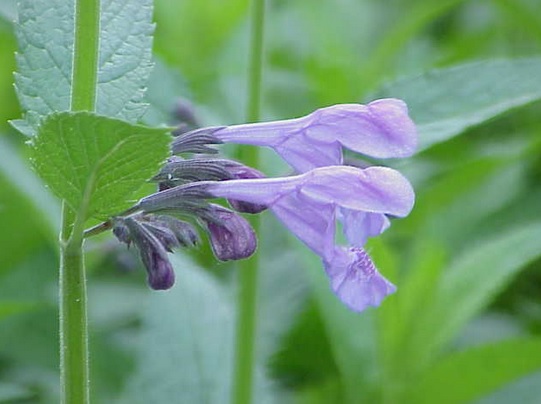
(322, 192)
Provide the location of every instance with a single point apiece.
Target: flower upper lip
(380, 129)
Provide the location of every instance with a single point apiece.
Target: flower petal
(358, 226)
(355, 279)
(240, 171)
(311, 222)
(374, 189)
(380, 129)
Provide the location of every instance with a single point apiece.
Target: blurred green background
(465, 323)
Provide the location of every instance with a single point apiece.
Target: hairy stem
(247, 300)
(74, 368)
(73, 316)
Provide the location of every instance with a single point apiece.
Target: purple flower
(240, 171)
(355, 279)
(231, 236)
(380, 129)
(309, 205)
(153, 254)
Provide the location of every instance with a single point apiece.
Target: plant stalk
(74, 358)
(248, 269)
(74, 373)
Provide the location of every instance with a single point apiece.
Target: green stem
(74, 363)
(73, 316)
(247, 303)
(85, 56)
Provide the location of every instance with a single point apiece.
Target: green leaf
(186, 346)
(96, 163)
(460, 199)
(185, 350)
(446, 102)
(9, 308)
(125, 60)
(165, 86)
(282, 287)
(23, 182)
(352, 336)
(295, 363)
(470, 374)
(10, 393)
(525, 390)
(8, 10)
(468, 285)
(45, 58)
(27, 211)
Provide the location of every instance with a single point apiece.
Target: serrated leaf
(477, 371)
(125, 58)
(446, 102)
(45, 59)
(96, 161)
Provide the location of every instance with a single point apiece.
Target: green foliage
(188, 359)
(45, 59)
(124, 58)
(448, 101)
(96, 163)
(22, 180)
(471, 281)
(10, 392)
(469, 72)
(469, 374)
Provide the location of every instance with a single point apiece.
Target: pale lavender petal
(307, 203)
(375, 189)
(260, 133)
(355, 279)
(311, 222)
(358, 226)
(380, 129)
(305, 154)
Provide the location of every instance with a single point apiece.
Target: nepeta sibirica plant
(263, 247)
(81, 76)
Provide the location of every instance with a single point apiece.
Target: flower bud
(152, 249)
(196, 141)
(231, 236)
